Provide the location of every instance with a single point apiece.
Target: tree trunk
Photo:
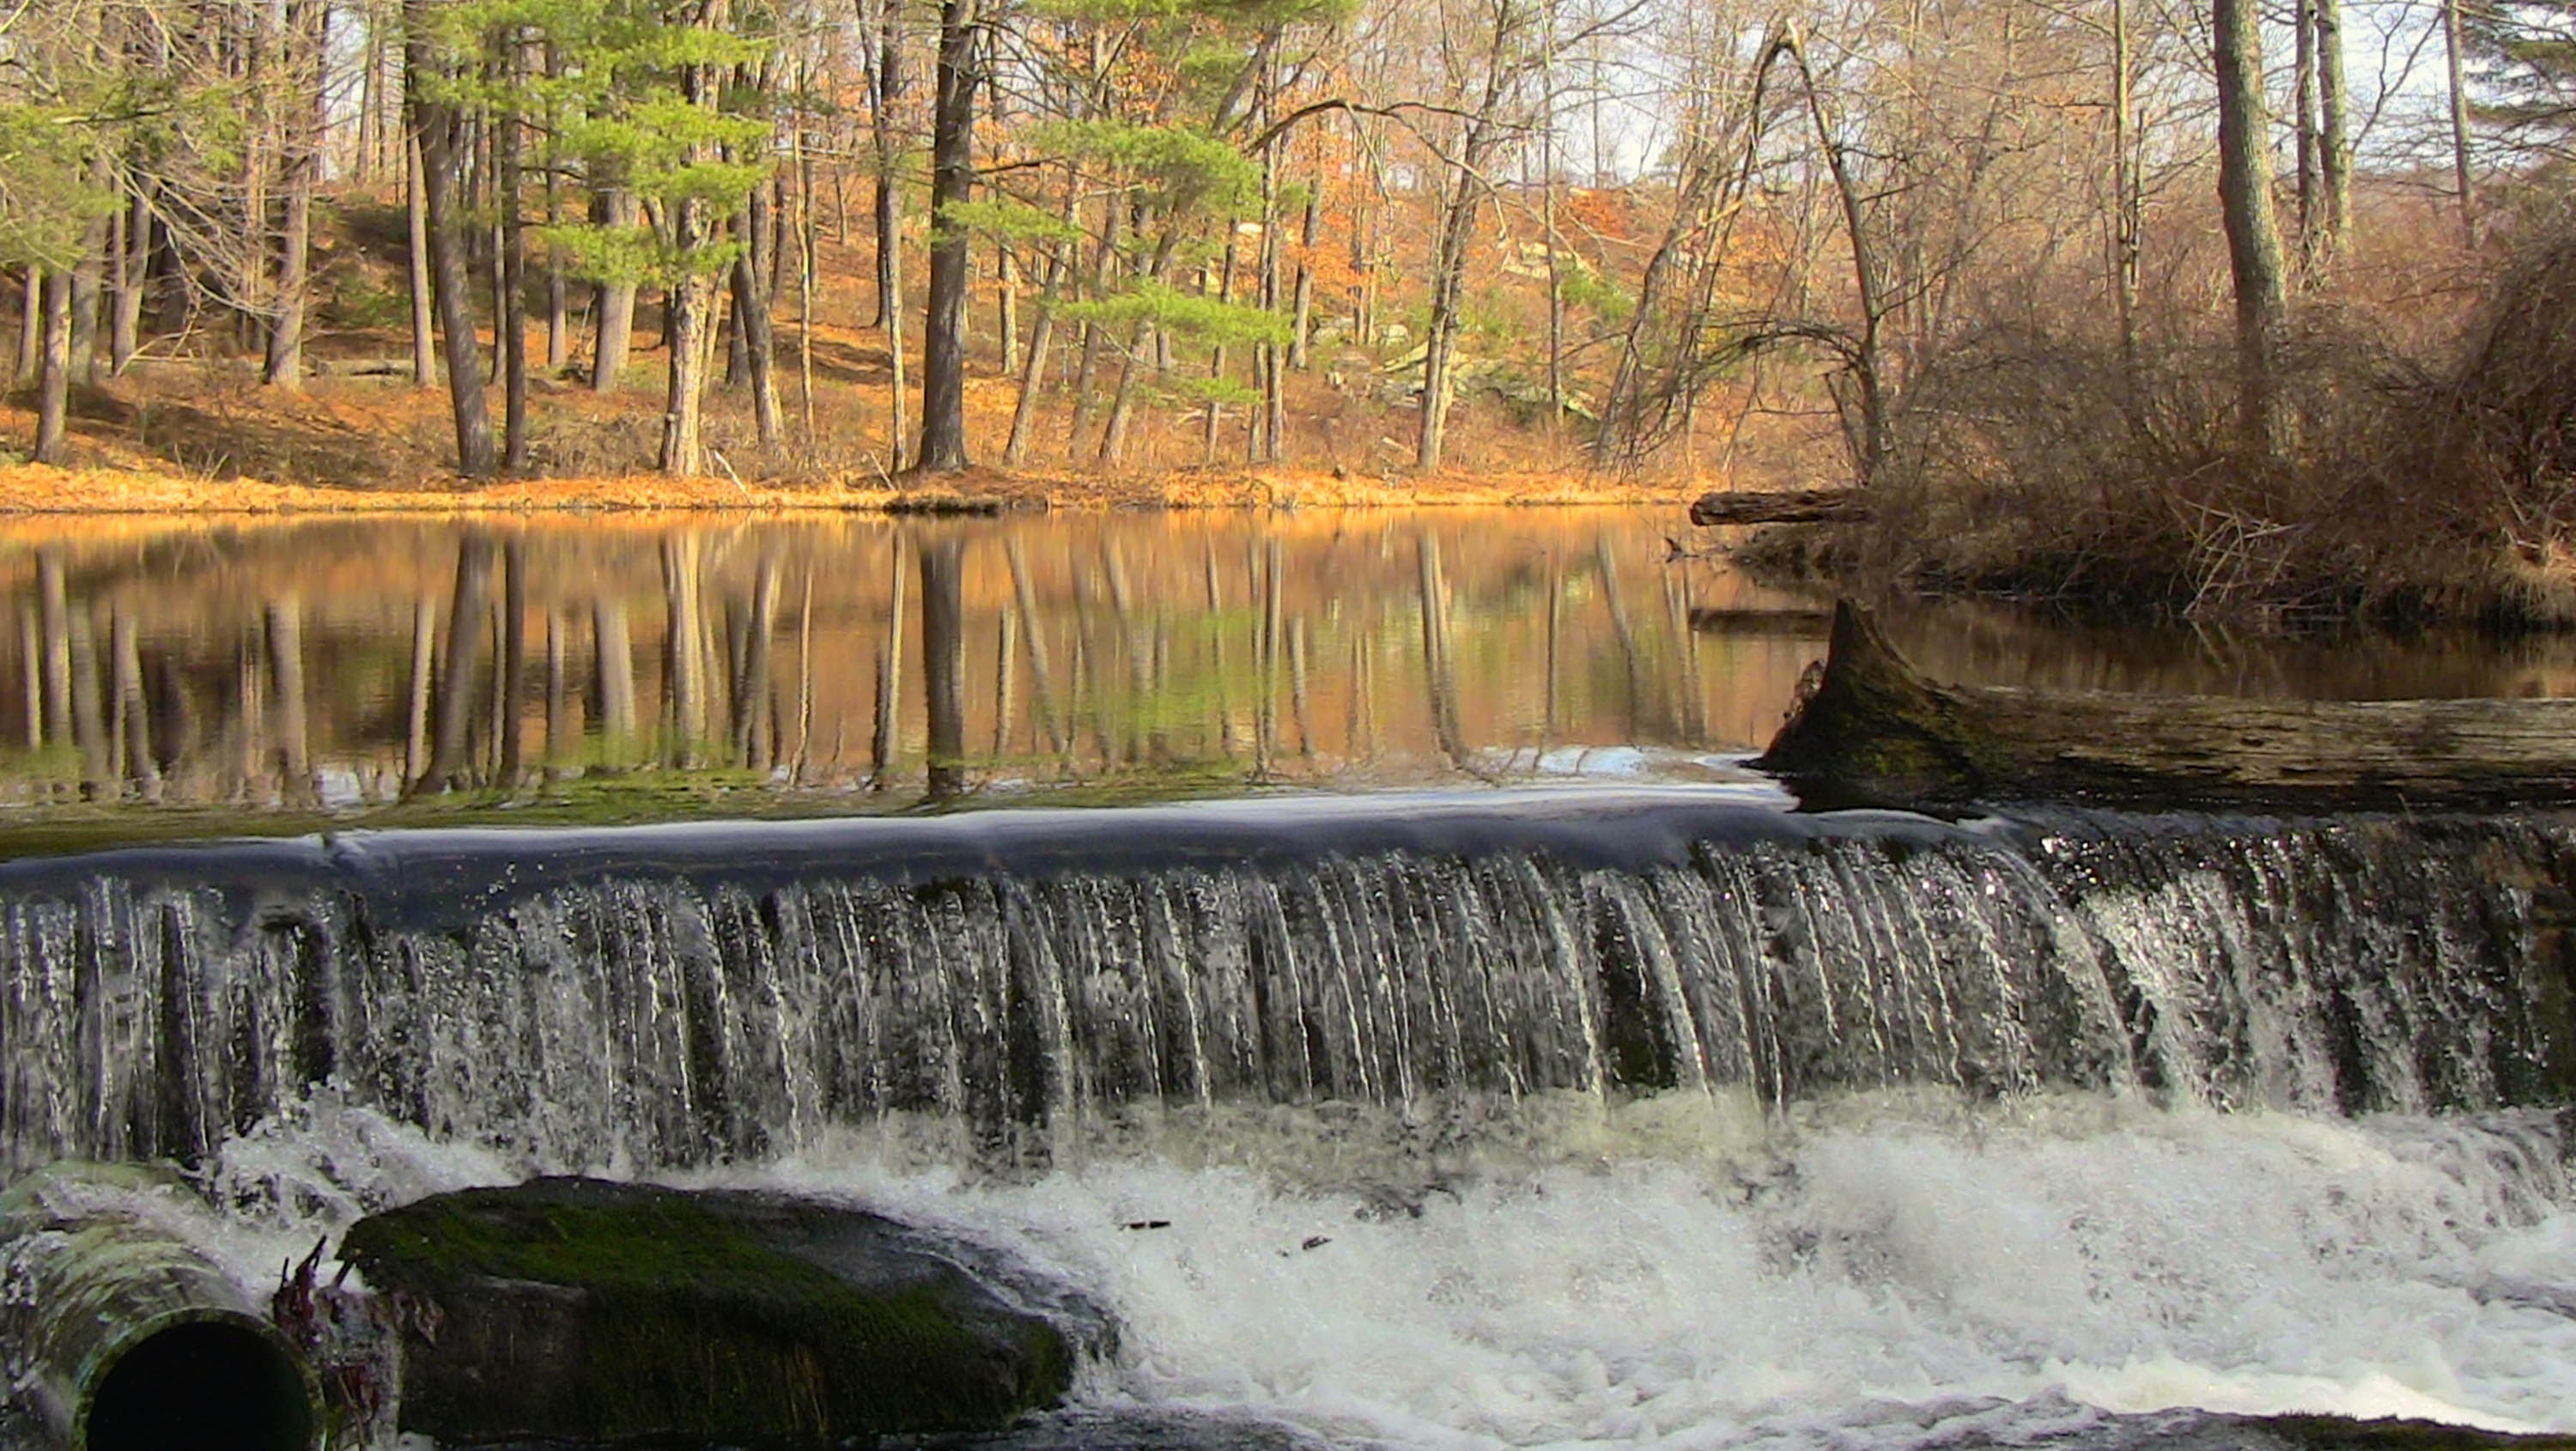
(1302, 329)
(2459, 124)
(1041, 336)
(133, 279)
(1006, 305)
(613, 307)
(1868, 365)
(298, 162)
(558, 328)
(1265, 354)
(89, 285)
(54, 368)
(31, 323)
(952, 182)
(886, 89)
(285, 362)
(510, 316)
(2334, 152)
(692, 304)
(2303, 126)
(2124, 196)
(1104, 267)
(751, 324)
(433, 125)
(2253, 235)
(1448, 276)
(424, 357)
(1216, 354)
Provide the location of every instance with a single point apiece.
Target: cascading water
(684, 995)
(1605, 1118)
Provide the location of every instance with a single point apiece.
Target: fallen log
(115, 1333)
(1874, 730)
(1783, 506)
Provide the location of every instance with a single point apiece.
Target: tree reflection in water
(646, 667)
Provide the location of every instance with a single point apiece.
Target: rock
(593, 1313)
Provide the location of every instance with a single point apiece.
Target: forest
(2243, 307)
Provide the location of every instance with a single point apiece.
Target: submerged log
(590, 1313)
(1875, 730)
(1791, 624)
(1784, 506)
(119, 1334)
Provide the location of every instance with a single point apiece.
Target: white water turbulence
(1565, 1120)
(1686, 1270)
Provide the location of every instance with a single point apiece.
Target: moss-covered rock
(595, 1313)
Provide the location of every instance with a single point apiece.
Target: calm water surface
(639, 666)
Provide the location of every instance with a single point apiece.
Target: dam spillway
(684, 995)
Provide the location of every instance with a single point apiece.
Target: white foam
(1687, 1273)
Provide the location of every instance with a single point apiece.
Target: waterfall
(681, 995)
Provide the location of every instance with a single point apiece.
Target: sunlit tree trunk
(2334, 152)
(952, 180)
(433, 125)
(54, 368)
(299, 160)
(759, 338)
(424, 356)
(2253, 235)
(31, 323)
(692, 294)
(510, 318)
(613, 305)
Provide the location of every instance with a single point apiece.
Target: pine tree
(2524, 57)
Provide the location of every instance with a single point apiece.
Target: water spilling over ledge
(678, 995)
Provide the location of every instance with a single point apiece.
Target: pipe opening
(207, 1385)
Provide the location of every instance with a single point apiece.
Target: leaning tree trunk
(1448, 276)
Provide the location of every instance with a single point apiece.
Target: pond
(633, 666)
(1370, 968)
